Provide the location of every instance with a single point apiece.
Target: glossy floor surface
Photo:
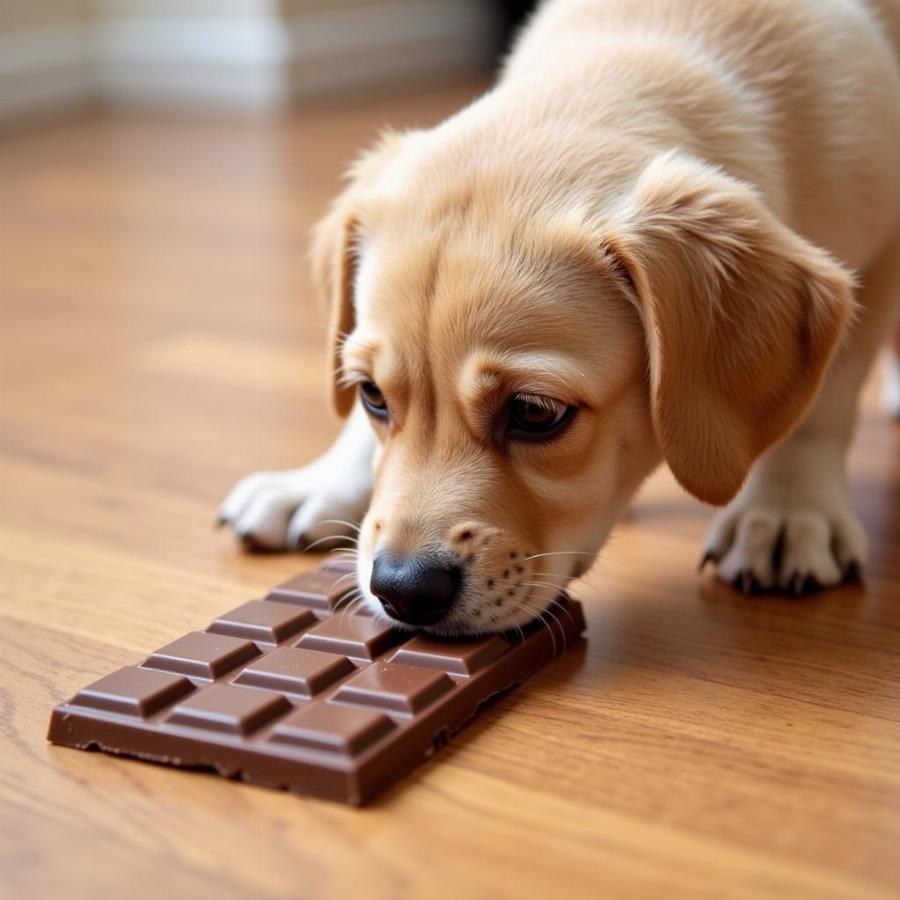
(158, 341)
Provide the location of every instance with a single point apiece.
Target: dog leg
(792, 525)
(294, 508)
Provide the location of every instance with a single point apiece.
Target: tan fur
(657, 214)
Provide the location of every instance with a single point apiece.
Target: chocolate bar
(294, 691)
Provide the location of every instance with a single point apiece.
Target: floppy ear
(334, 269)
(742, 318)
(335, 251)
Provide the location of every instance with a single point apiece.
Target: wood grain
(158, 341)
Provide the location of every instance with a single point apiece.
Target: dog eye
(373, 400)
(532, 417)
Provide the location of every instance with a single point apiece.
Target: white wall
(228, 54)
(44, 57)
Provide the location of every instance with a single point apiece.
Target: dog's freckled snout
(416, 589)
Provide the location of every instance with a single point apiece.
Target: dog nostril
(417, 590)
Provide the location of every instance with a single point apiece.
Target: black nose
(417, 590)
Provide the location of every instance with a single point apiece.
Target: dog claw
(746, 582)
(248, 540)
(219, 523)
(803, 585)
(708, 557)
(853, 571)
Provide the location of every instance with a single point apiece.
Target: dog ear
(334, 269)
(335, 252)
(742, 318)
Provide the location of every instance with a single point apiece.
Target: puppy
(671, 232)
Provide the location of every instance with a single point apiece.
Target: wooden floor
(158, 341)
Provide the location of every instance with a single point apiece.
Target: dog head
(526, 363)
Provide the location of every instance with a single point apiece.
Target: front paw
(762, 546)
(305, 508)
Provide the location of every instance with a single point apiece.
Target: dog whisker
(350, 605)
(551, 600)
(352, 525)
(341, 578)
(546, 624)
(560, 553)
(565, 578)
(559, 625)
(346, 603)
(332, 537)
(539, 614)
(520, 632)
(556, 588)
(352, 552)
(346, 595)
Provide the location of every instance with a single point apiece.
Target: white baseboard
(43, 71)
(255, 62)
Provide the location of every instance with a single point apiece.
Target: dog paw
(798, 550)
(303, 508)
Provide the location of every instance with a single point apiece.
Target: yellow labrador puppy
(671, 232)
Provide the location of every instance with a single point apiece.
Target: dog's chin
(469, 623)
(450, 627)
